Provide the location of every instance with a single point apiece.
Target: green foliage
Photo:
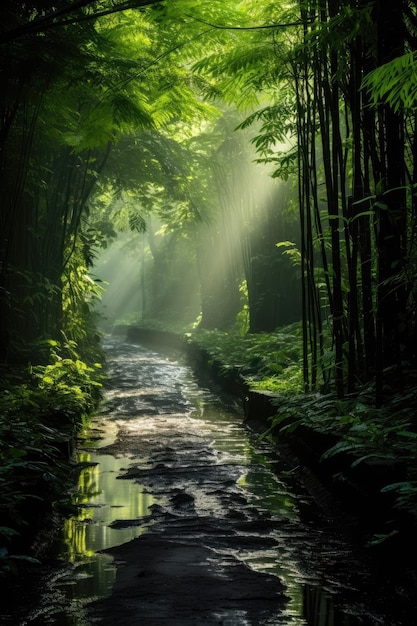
(291, 251)
(394, 83)
(70, 384)
(77, 341)
(365, 432)
(41, 409)
(268, 361)
(242, 318)
(286, 381)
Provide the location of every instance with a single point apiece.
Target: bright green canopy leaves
(395, 83)
(119, 105)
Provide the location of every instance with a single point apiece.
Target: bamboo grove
(364, 156)
(105, 97)
(346, 69)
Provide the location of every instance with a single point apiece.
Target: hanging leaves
(394, 83)
(136, 221)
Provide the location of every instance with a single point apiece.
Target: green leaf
(401, 486)
(408, 433)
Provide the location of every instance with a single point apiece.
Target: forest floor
(188, 555)
(188, 570)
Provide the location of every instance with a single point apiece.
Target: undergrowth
(42, 407)
(268, 361)
(387, 433)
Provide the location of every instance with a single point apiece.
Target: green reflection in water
(271, 494)
(103, 498)
(320, 610)
(91, 578)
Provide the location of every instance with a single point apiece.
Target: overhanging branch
(52, 20)
(259, 27)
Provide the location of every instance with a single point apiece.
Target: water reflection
(102, 498)
(319, 609)
(270, 492)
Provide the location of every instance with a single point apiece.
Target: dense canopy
(264, 154)
(239, 171)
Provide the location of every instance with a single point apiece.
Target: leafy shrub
(41, 409)
(268, 361)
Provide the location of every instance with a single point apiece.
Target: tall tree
(309, 60)
(72, 84)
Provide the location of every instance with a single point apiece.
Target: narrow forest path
(220, 532)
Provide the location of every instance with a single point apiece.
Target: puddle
(104, 498)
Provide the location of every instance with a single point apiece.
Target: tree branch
(46, 22)
(260, 27)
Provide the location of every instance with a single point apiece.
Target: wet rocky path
(188, 519)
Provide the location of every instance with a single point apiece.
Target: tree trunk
(391, 226)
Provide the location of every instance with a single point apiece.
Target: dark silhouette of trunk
(360, 344)
(391, 217)
(331, 145)
(310, 221)
(219, 286)
(273, 285)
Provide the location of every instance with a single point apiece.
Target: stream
(186, 517)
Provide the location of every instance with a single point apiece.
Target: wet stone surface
(188, 519)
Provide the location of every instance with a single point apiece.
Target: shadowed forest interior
(240, 172)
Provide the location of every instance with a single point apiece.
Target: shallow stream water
(167, 458)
